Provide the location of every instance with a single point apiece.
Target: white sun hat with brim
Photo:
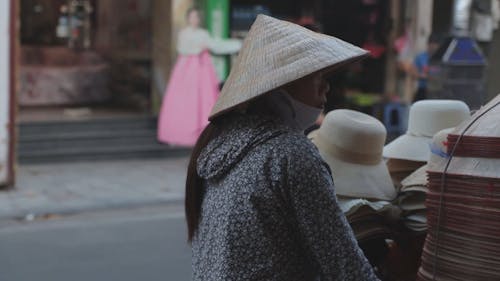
(426, 118)
(351, 143)
(275, 53)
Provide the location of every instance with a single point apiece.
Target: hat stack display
(411, 200)
(427, 117)
(400, 169)
(411, 151)
(463, 202)
(414, 188)
(351, 143)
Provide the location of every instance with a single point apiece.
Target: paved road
(140, 244)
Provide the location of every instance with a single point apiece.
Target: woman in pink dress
(193, 86)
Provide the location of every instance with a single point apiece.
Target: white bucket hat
(275, 53)
(351, 143)
(426, 118)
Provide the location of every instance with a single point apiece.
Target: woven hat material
(489, 126)
(351, 143)
(463, 202)
(467, 166)
(417, 178)
(486, 129)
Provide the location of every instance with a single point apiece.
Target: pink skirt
(188, 100)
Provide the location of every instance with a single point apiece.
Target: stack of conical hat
(412, 200)
(463, 203)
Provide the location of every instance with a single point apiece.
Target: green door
(217, 20)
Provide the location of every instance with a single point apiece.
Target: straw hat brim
(327, 71)
(416, 226)
(415, 188)
(350, 206)
(417, 178)
(361, 181)
(475, 167)
(409, 147)
(413, 202)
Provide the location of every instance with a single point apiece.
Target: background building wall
(124, 26)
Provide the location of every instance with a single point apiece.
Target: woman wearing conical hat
(260, 202)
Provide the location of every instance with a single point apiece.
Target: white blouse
(193, 41)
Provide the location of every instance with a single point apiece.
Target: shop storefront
(84, 60)
(373, 25)
(81, 58)
(86, 85)
(84, 54)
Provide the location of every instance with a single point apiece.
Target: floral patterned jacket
(270, 210)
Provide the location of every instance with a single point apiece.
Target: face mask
(292, 111)
(305, 115)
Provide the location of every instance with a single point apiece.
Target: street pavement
(147, 243)
(71, 188)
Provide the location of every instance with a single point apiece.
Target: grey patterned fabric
(270, 211)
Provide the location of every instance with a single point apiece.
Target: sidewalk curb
(22, 214)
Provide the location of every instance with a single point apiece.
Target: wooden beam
(168, 19)
(15, 50)
(162, 48)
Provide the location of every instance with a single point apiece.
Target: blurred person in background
(193, 86)
(421, 67)
(260, 201)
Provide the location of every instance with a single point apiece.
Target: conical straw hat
(277, 52)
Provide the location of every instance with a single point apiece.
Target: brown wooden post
(168, 19)
(162, 61)
(14, 46)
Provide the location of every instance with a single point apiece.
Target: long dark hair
(194, 183)
(195, 190)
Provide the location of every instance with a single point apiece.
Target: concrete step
(107, 139)
(48, 128)
(96, 155)
(27, 137)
